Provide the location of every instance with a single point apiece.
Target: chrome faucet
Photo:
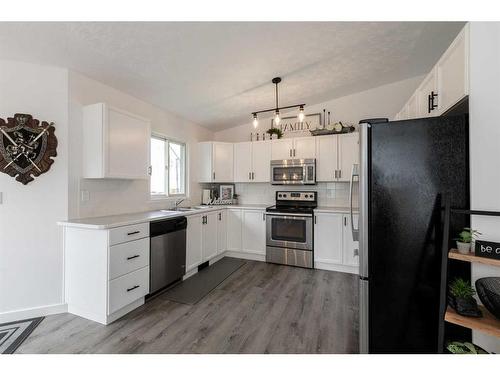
(177, 203)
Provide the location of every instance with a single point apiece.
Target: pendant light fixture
(277, 115)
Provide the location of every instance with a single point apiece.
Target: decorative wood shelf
(454, 254)
(487, 324)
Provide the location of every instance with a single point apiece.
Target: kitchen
(154, 208)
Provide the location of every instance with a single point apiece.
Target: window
(168, 167)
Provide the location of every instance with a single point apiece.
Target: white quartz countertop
(108, 222)
(327, 209)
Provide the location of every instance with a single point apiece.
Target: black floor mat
(198, 286)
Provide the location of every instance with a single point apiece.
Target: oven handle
(288, 214)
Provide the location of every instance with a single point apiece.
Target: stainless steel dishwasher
(167, 260)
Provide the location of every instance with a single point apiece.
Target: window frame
(166, 150)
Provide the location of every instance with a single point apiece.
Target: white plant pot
(463, 247)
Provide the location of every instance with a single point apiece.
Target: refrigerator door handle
(354, 174)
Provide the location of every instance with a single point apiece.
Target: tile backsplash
(329, 194)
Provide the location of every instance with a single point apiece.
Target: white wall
(109, 197)
(31, 268)
(383, 101)
(484, 106)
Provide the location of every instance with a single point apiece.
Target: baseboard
(245, 255)
(336, 267)
(12, 316)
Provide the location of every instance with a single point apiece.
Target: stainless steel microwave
(293, 172)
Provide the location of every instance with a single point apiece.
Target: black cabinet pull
(431, 106)
(345, 221)
(220, 216)
(136, 232)
(134, 287)
(133, 257)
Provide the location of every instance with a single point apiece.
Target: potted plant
(276, 131)
(461, 298)
(457, 347)
(464, 240)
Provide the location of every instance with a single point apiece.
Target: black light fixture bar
(279, 108)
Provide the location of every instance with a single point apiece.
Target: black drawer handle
(134, 287)
(132, 257)
(136, 232)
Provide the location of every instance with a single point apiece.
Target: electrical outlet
(85, 196)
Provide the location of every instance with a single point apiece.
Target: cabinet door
(304, 148)
(261, 161)
(326, 161)
(204, 159)
(222, 162)
(209, 236)
(452, 72)
(428, 85)
(234, 229)
(243, 162)
(253, 237)
(193, 242)
(127, 141)
(350, 247)
(221, 231)
(412, 106)
(282, 149)
(348, 155)
(328, 238)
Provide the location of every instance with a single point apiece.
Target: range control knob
(279, 195)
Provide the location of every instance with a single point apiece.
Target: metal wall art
(26, 147)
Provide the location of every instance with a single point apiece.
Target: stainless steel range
(289, 228)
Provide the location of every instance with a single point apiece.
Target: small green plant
(467, 234)
(276, 131)
(460, 288)
(457, 347)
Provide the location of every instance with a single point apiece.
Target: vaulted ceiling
(216, 73)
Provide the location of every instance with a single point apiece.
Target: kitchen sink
(183, 209)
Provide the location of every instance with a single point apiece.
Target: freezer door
(363, 199)
(363, 317)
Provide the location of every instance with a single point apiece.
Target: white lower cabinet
(106, 271)
(334, 249)
(234, 229)
(221, 231)
(209, 236)
(253, 231)
(194, 235)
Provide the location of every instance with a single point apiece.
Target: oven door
(293, 231)
(288, 174)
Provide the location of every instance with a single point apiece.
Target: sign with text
(487, 249)
(292, 127)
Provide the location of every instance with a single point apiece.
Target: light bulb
(277, 118)
(301, 114)
(255, 121)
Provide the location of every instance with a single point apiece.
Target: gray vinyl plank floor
(260, 308)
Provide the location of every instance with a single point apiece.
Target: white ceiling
(216, 73)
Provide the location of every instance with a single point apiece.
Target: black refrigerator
(406, 170)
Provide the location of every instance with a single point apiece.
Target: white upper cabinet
(261, 161)
(426, 89)
(282, 149)
(453, 72)
(348, 151)
(327, 161)
(252, 161)
(215, 162)
(115, 143)
(304, 148)
(243, 162)
(445, 85)
(335, 156)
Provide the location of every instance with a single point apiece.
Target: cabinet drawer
(128, 257)
(128, 288)
(128, 233)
